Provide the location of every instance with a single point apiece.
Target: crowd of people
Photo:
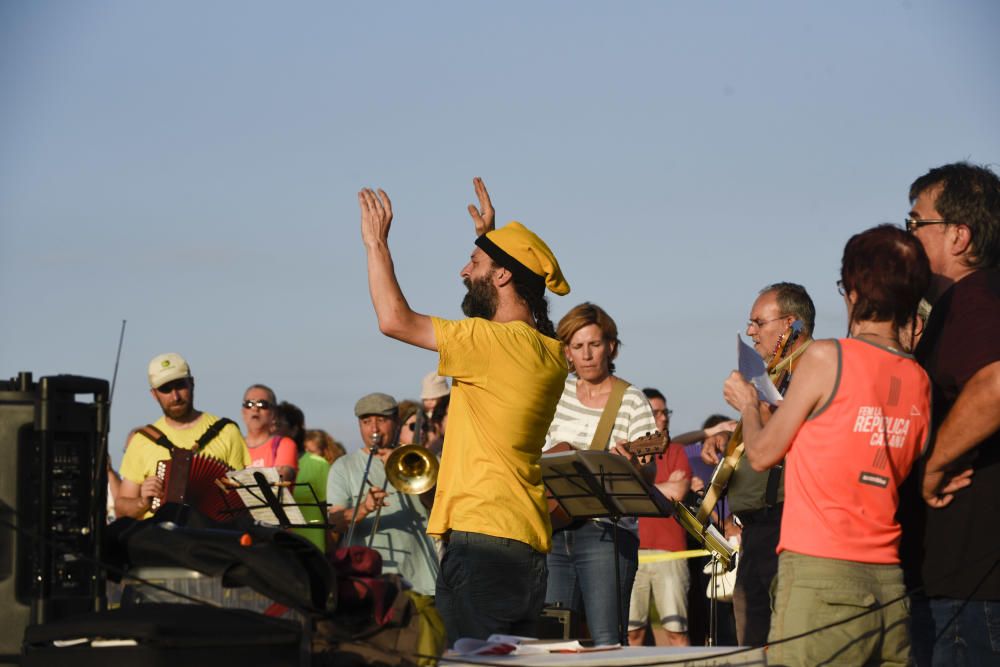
(861, 499)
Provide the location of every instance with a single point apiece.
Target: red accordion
(196, 480)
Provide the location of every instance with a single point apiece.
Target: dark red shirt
(665, 534)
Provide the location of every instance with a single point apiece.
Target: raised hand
(484, 217)
(376, 216)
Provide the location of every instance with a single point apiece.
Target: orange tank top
(845, 465)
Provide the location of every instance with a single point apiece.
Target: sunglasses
(413, 426)
(173, 386)
(262, 404)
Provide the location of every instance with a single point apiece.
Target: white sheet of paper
(752, 367)
(252, 498)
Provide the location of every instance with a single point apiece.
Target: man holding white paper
(756, 498)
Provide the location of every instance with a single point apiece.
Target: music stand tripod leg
(713, 604)
(618, 581)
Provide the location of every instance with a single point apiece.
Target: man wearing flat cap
(401, 534)
(172, 387)
(507, 370)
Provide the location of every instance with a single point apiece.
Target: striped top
(576, 424)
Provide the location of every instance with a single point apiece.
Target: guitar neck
(734, 448)
(735, 439)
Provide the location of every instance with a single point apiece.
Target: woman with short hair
(268, 448)
(582, 560)
(851, 425)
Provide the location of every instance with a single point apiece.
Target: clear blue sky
(192, 167)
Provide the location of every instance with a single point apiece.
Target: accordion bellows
(195, 480)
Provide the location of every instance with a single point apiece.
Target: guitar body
(721, 475)
(648, 445)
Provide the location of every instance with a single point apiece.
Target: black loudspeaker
(53, 493)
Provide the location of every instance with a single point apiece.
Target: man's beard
(178, 411)
(481, 299)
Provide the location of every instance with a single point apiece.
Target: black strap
(773, 480)
(212, 432)
(157, 436)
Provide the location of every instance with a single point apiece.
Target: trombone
(411, 469)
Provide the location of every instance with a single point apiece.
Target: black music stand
(592, 485)
(264, 505)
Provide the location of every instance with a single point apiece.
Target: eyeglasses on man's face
(260, 404)
(912, 224)
(760, 323)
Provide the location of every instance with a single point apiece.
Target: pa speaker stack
(53, 491)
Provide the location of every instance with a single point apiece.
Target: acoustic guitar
(651, 444)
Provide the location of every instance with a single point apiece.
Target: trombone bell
(411, 469)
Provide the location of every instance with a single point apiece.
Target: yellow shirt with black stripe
(507, 379)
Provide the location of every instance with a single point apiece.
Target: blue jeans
(972, 638)
(489, 585)
(582, 566)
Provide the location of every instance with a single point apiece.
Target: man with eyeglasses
(955, 215)
(400, 528)
(757, 498)
(661, 577)
(181, 425)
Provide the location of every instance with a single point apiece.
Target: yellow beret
(520, 251)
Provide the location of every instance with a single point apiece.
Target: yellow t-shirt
(142, 453)
(507, 381)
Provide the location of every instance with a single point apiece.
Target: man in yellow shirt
(508, 371)
(172, 387)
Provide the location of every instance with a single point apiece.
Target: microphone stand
(420, 426)
(376, 439)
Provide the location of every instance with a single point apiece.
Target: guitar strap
(773, 481)
(787, 361)
(607, 423)
(774, 474)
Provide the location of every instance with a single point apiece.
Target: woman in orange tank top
(853, 421)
